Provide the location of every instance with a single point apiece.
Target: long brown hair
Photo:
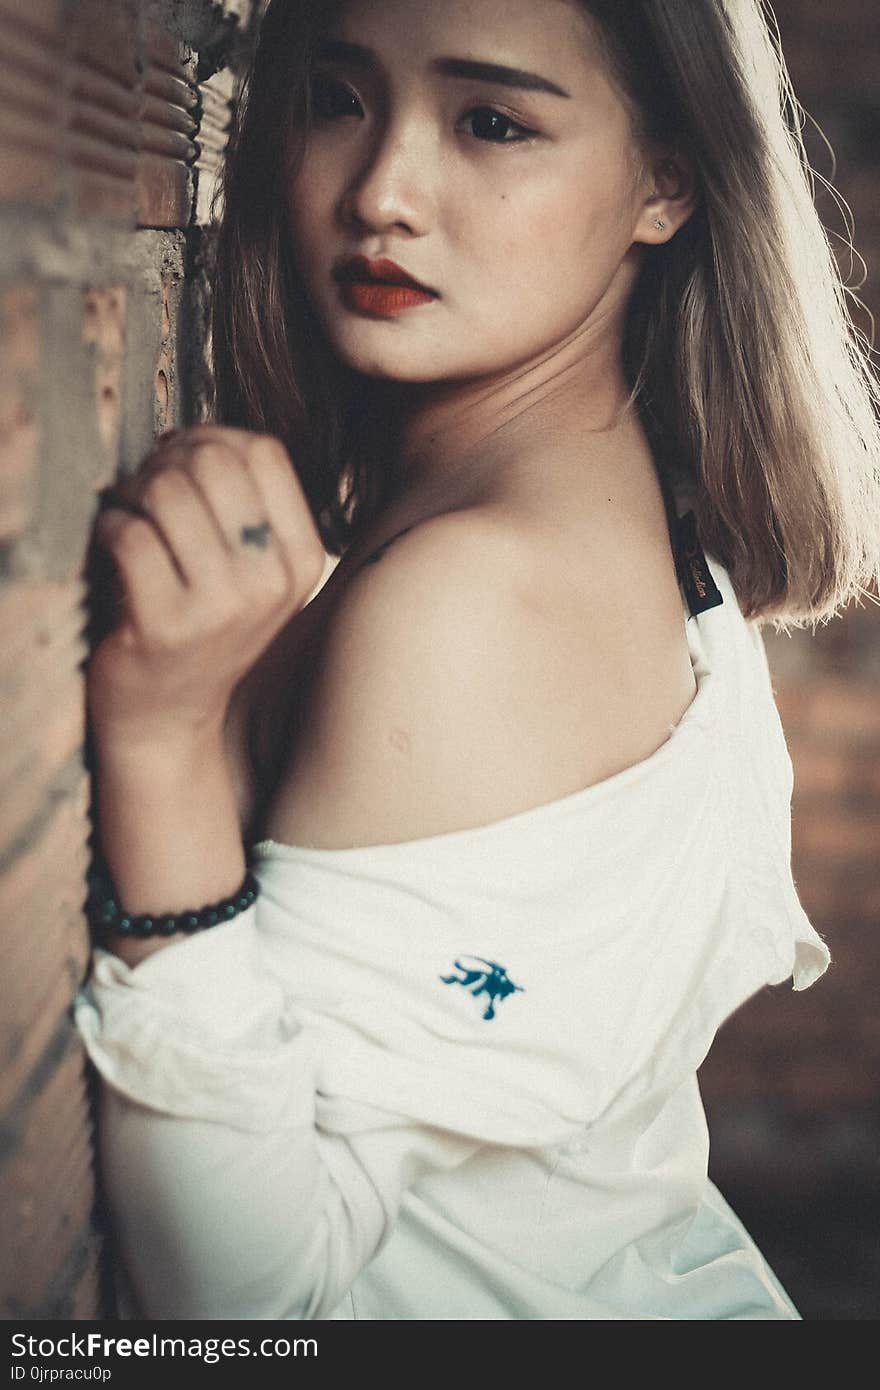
(754, 385)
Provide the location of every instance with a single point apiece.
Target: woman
(513, 784)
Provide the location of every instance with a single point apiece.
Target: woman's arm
(169, 829)
(228, 1197)
(200, 606)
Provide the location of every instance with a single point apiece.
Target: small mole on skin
(399, 739)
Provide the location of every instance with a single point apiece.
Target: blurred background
(112, 121)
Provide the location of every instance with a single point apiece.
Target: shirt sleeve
(227, 1199)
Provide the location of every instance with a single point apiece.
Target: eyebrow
(360, 56)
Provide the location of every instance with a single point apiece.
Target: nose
(394, 187)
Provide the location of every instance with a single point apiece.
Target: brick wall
(102, 188)
(111, 124)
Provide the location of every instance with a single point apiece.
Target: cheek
(548, 248)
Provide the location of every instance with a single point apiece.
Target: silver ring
(256, 535)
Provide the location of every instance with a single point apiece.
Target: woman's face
(517, 205)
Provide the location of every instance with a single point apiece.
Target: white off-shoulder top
(456, 1077)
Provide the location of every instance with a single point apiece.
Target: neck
(451, 434)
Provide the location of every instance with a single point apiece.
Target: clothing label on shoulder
(700, 588)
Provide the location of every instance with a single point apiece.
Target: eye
(489, 125)
(331, 98)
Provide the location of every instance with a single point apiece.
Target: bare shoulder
(412, 681)
(446, 693)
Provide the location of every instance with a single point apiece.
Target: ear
(669, 196)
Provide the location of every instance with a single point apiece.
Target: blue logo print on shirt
(487, 978)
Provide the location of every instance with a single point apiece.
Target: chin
(388, 363)
(404, 374)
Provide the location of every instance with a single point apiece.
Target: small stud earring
(659, 224)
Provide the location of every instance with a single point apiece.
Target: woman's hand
(215, 548)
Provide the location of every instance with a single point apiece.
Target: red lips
(381, 271)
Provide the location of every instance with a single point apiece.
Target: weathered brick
(41, 686)
(165, 364)
(74, 460)
(104, 326)
(101, 139)
(97, 118)
(45, 940)
(46, 1186)
(45, 16)
(164, 179)
(31, 68)
(47, 1031)
(85, 1295)
(18, 426)
(165, 192)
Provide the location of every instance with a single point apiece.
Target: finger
(128, 486)
(287, 508)
(149, 582)
(220, 472)
(291, 534)
(294, 535)
(177, 509)
(223, 473)
(230, 434)
(265, 451)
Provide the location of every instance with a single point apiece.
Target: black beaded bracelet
(107, 917)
